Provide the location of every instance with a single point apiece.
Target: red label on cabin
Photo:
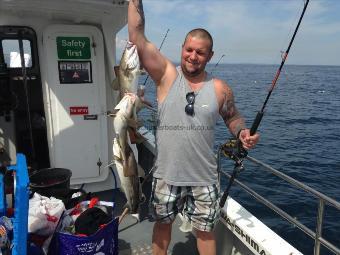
(79, 110)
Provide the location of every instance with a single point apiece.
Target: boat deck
(136, 237)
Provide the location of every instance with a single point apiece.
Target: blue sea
(299, 136)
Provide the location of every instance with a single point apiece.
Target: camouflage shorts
(199, 205)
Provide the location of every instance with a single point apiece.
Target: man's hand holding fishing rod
(190, 101)
(248, 141)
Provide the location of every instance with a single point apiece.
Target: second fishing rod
(233, 149)
(160, 47)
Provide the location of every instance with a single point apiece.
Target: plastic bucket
(51, 181)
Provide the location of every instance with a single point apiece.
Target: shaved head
(201, 34)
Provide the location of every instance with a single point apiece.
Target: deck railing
(323, 199)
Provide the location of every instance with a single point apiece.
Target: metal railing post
(319, 223)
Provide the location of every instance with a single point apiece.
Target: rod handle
(256, 122)
(224, 198)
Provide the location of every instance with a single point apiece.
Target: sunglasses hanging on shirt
(189, 108)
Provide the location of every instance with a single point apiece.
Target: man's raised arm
(136, 22)
(152, 60)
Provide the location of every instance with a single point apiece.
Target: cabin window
(11, 52)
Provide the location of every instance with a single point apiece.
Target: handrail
(296, 183)
(317, 236)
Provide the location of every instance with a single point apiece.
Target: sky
(247, 31)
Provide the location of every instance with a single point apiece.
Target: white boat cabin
(54, 109)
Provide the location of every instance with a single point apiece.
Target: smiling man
(196, 52)
(189, 104)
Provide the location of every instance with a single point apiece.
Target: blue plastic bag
(103, 242)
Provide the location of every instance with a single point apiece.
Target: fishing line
(287, 38)
(285, 41)
(115, 180)
(233, 148)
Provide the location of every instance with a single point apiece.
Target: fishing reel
(233, 150)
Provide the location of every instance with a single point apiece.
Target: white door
(77, 101)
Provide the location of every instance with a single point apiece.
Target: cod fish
(124, 158)
(125, 122)
(127, 72)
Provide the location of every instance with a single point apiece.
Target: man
(189, 102)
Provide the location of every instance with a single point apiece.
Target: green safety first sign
(73, 47)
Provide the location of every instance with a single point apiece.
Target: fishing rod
(27, 101)
(216, 64)
(233, 148)
(160, 47)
